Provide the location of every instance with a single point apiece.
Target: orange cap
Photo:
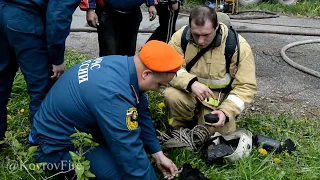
(160, 57)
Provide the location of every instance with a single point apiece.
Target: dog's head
(190, 173)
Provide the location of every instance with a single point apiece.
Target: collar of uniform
(133, 75)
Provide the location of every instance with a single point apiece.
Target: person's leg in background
(26, 36)
(167, 20)
(164, 16)
(129, 31)
(174, 21)
(8, 69)
(107, 31)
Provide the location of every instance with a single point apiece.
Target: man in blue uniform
(32, 37)
(106, 98)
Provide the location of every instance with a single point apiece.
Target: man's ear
(146, 73)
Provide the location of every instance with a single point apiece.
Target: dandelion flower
(268, 127)
(263, 151)
(278, 130)
(287, 154)
(9, 117)
(304, 119)
(19, 158)
(22, 110)
(276, 160)
(162, 105)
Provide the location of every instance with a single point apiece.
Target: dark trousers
(22, 44)
(102, 163)
(118, 31)
(167, 21)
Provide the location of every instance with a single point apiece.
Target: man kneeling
(106, 98)
(214, 82)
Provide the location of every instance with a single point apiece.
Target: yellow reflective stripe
(212, 86)
(170, 121)
(216, 84)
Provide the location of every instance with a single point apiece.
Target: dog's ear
(189, 173)
(187, 168)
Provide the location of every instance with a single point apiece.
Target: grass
(309, 8)
(301, 164)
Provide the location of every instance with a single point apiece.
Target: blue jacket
(116, 4)
(57, 17)
(99, 96)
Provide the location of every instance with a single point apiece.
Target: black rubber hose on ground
(236, 16)
(273, 24)
(296, 65)
(270, 15)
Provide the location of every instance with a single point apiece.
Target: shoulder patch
(132, 118)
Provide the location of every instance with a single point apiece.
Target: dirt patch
(282, 105)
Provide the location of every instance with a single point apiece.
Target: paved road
(281, 87)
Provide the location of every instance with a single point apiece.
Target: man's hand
(152, 12)
(92, 18)
(175, 6)
(201, 91)
(165, 165)
(222, 118)
(58, 70)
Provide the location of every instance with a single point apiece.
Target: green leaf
(79, 168)
(86, 140)
(39, 171)
(76, 143)
(22, 153)
(80, 177)
(16, 144)
(86, 163)
(89, 136)
(87, 168)
(89, 174)
(94, 144)
(74, 156)
(74, 135)
(32, 149)
(7, 134)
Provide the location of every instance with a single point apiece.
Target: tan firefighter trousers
(185, 110)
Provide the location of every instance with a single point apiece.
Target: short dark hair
(199, 15)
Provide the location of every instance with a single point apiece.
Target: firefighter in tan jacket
(202, 90)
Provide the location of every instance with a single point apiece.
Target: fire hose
(191, 139)
(296, 65)
(267, 14)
